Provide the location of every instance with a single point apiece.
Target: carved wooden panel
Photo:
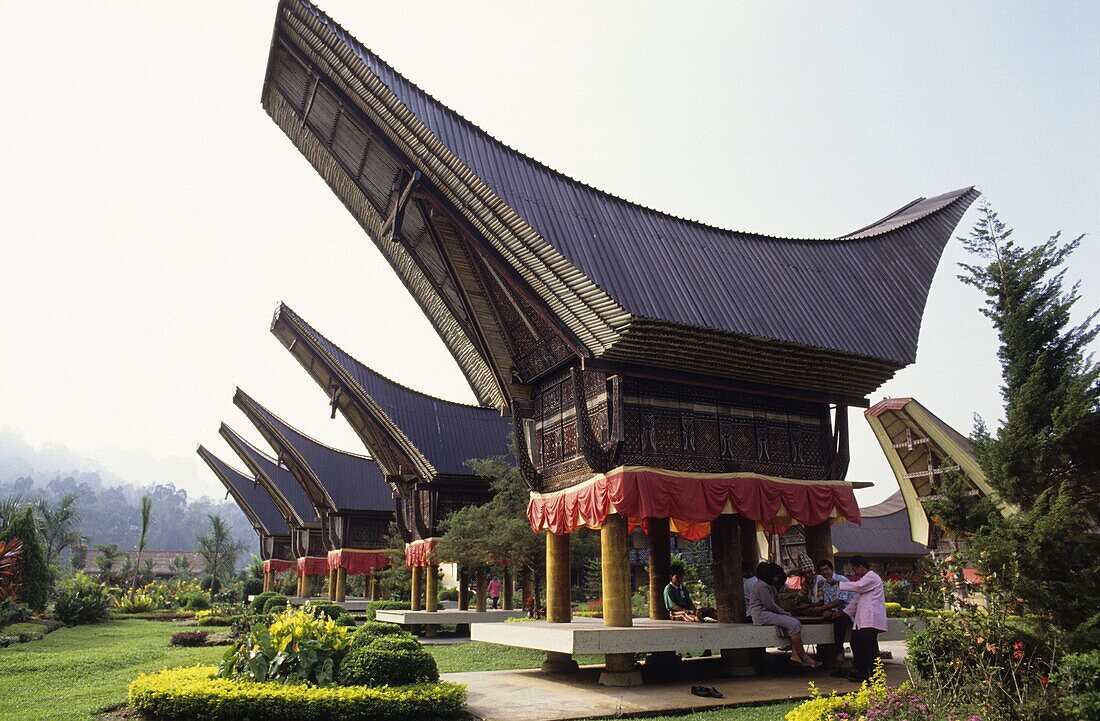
(365, 533)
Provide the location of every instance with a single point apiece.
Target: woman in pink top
(868, 612)
(494, 591)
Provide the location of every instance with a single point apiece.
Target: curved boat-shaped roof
(348, 482)
(445, 433)
(603, 264)
(250, 495)
(281, 484)
(918, 444)
(883, 531)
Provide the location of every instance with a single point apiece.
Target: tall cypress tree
(1045, 458)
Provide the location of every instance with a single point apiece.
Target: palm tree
(58, 525)
(219, 552)
(180, 566)
(10, 506)
(146, 518)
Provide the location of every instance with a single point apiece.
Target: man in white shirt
(868, 612)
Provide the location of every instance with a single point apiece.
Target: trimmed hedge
(258, 602)
(194, 693)
(371, 630)
(330, 609)
(375, 666)
(384, 606)
(276, 603)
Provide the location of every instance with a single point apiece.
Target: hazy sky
(153, 215)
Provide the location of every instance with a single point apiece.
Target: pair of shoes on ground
(841, 673)
(855, 678)
(707, 692)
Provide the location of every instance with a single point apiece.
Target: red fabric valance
(277, 565)
(357, 562)
(692, 500)
(418, 553)
(312, 566)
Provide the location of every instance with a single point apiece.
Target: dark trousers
(841, 624)
(864, 651)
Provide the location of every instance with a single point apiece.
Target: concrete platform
(590, 636)
(446, 616)
(533, 696)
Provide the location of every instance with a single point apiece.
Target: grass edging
(195, 693)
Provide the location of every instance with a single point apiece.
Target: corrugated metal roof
(282, 479)
(863, 293)
(884, 531)
(446, 433)
(249, 494)
(353, 482)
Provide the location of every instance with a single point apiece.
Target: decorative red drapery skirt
(692, 500)
(357, 562)
(277, 565)
(418, 553)
(312, 566)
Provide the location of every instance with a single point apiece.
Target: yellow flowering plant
(836, 706)
(300, 646)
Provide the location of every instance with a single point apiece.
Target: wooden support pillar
(750, 549)
(341, 584)
(729, 587)
(463, 589)
(417, 590)
(558, 607)
(431, 588)
(619, 668)
(332, 585)
(819, 542)
(375, 587)
(659, 562)
(482, 596)
(298, 591)
(509, 590)
(267, 582)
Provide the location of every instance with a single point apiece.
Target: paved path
(535, 696)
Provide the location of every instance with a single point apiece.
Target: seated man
(678, 601)
(833, 601)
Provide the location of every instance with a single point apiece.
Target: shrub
(216, 617)
(189, 638)
(134, 603)
(81, 601)
(345, 619)
(276, 604)
(258, 602)
(195, 693)
(243, 623)
(301, 645)
(194, 600)
(375, 666)
(448, 594)
(369, 631)
(374, 606)
(1077, 681)
(12, 612)
(251, 587)
(328, 608)
(395, 643)
(841, 706)
(32, 576)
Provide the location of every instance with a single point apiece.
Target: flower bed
(195, 693)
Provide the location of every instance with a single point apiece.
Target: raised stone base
(559, 663)
(620, 670)
(445, 616)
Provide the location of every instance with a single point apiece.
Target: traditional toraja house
(420, 443)
(346, 490)
(921, 448)
(883, 537)
(256, 504)
(657, 370)
(306, 545)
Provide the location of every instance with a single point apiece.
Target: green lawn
(478, 656)
(75, 672)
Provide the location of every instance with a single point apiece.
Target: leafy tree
(146, 519)
(79, 557)
(396, 579)
(107, 558)
(11, 506)
(33, 575)
(59, 524)
(1045, 458)
(180, 566)
(956, 509)
(219, 550)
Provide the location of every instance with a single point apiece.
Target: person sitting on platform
(766, 611)
(749, 579)
(678, 600)
(833, 602)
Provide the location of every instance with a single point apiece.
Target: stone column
(417, 591)
(341, 584)
(463, 589)
(508, 597)
(558, 608)
(482, 596)
(819, 542)
(619, 668)
(729, 587)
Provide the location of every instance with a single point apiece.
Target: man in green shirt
(678, 600)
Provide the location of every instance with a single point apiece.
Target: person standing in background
(868, 612)
(494, 592)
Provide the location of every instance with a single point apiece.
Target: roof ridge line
(284, 307)
(306, 436)
(250, 446)
(327, 20)
(204, 450)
